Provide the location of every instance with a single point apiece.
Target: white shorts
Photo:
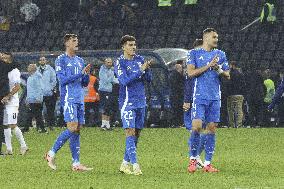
(10, 115)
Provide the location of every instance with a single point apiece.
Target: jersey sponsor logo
(69, 64)
(128, 68)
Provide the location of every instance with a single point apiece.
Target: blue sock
(209, 146)
(194, 143)
(202, 143)
(131, 149)
(60, 141)
(126, 156)
(75, 148)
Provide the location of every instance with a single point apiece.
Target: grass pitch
(247, 159)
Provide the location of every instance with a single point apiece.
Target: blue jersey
(70, 77)
(131, 80)
(207, 85)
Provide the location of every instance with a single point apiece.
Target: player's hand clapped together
(186, 106)
(214, 62)
(214, 65)
(87, 69)
(146, 65)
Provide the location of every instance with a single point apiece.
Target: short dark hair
(208, 30)
(126, 38)
(197, 42)
(69, 36)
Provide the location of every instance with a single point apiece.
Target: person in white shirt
(11, 113)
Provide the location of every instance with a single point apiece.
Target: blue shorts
(206, 110)
(74, 112)
(133, 118)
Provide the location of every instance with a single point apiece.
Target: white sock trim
(51, 153)
(75, 164)
(206, 163)
(125, 162)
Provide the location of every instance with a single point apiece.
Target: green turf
(247, 158)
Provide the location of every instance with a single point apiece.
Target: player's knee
(73, 127)
(137, 132)
(211, 127)
(197, 125)
(130, 132)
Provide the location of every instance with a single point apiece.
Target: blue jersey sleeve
(122, 76)
(191, 57)
(62, 75)
(224, 62)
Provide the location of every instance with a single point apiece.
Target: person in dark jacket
(235, 99)
(176, 97)
(254, 85)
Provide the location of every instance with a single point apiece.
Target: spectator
(92, 98)
(115, 105)
(268, 16)
(49, 88)
(35, 97)
(236, 86)
(106, 76)
(270, 91)
(255, 102)
(176, 97)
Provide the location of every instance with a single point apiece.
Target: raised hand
(87, 69)
(213, 64)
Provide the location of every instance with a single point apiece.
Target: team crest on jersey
(201, 58)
